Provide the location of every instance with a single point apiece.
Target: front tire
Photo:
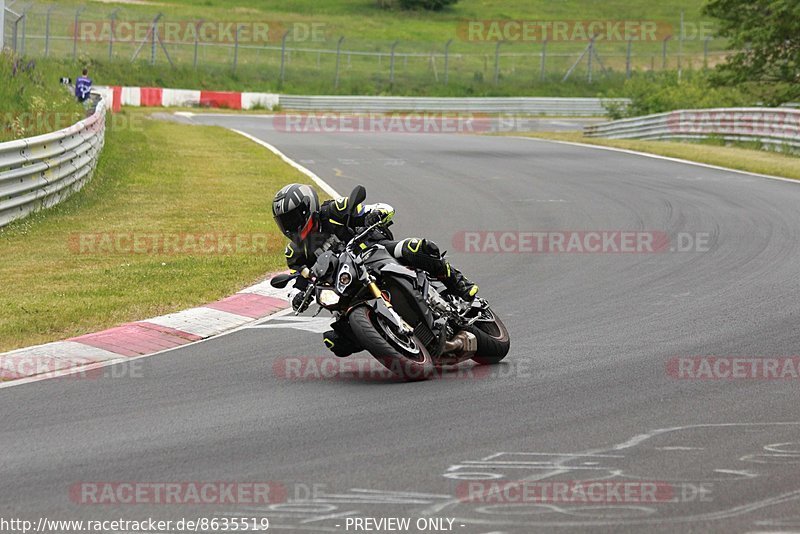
(493, 339)
(405, 356)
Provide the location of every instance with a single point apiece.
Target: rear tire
(493, 340)
(408, 358)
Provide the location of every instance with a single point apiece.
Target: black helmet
(295, 209)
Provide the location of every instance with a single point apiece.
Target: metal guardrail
(581, 107)
(776, 128)
(41, 171)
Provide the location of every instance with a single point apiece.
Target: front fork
(384, 308)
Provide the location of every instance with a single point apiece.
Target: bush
(431, 5)
(32, 101)
(660, 92)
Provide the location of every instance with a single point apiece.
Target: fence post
(543, 61)
(24, 25)
(111, 36)
(497, 62)
(47, 31)
(338, 57)
(283, 56)
(153, 39)
(236, 48)
(196, 41)
(2, 24)
(447, 61)
(589, 63)
(75, 33)
(705, 52)
(664, 52)
(14, 34)
(391, 64)
(680, 50)
(628, 59)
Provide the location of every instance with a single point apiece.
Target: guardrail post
(391, 64)
(628, 59)
(338, 57)
(543, 60)
(283, 57)
(447, 61)
(497, 62)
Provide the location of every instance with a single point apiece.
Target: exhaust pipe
(463, 345)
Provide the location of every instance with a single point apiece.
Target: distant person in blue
(83, 86)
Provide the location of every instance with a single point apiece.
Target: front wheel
(493, 339)
(404, 355)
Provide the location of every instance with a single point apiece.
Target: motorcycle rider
(313, 229)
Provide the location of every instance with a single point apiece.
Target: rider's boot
(458, 284)
(425, 254)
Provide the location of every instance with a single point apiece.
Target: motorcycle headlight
(345, 279)
(328, 297)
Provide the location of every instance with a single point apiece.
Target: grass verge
(742, 159)
(63, 277)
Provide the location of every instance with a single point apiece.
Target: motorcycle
(404, 318)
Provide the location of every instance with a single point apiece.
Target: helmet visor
(292, 222)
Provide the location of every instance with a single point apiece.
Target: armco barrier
(156, 96)
(581, 107)
(776, 128)
(41, 171)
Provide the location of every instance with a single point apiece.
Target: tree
(766, 34)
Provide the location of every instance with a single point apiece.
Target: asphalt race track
(585, 393)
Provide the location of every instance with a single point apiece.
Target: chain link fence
(310, 51)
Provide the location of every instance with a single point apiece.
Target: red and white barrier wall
(118, 96)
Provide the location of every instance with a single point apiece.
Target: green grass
(153, 178)
(732, 157)
(368, 28)
(32, 102)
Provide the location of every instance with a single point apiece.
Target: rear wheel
(403, 354)
(493, 339)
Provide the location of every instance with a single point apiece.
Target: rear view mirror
(358, 196)
(281, 280)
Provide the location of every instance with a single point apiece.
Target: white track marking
(656, 156)
(316, 179)
(257, 288)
